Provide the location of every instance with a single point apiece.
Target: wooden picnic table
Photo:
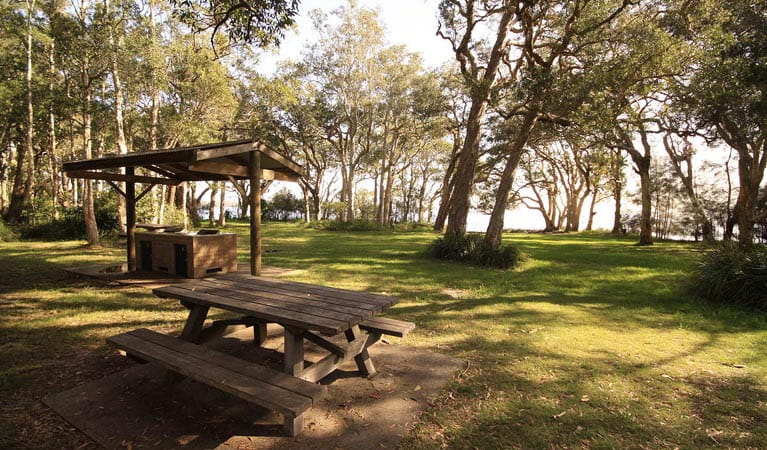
(315, 313)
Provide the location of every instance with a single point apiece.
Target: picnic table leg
(191, 333)
(259, 333)
(364, 363)
(294, 425)
(194, 323)
(294, 352)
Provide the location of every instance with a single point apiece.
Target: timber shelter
(225, 161)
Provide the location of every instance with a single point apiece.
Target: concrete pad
(134, 409)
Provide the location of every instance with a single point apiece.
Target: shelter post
(130, 218)
(254, 172)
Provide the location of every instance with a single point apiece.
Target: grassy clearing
(591, 342)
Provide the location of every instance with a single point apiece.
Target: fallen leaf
(376, 396)
(417, 387)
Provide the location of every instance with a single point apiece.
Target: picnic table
(340, 321)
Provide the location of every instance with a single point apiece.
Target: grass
(591, 342)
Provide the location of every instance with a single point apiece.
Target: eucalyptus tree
(725, 90)
(479, 60)
(548, 76)
(344, 65)
(82, 35)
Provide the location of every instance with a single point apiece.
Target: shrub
(71, 224)
(337, 225)
(6, 233)
(734, 275)
(472, 248)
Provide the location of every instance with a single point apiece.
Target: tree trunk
(222, 206)
(592, 213)
(91, 227)
(645, 224)
(617, 191)
(460, 200)
(122, 146)
(53, 164)
(212, 203)
(494, 232)
(447, 187)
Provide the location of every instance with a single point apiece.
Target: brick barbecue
(187, 254)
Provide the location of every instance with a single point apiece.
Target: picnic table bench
(340, 321)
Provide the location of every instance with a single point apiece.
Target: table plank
(275, 293)
(289, 304)
(269, 313)
(345, 294)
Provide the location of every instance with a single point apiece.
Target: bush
(71, 224)
(472, 248)
(734, 275)
(337, 225)
(6, 233)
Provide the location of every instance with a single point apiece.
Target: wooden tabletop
(307, 306)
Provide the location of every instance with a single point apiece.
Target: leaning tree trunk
(494, 230)
(460, 199)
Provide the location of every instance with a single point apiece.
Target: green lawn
(591, 342)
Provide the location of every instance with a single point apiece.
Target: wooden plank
(144, 192)
(328, 364)
(246, 289)
(268, 313)
(278, 158)
(288, 304)
(235, 383)
(332, 347)
(222, 150)
(391, 327)
(194, 323)
(120, 177)
(363, 360)
(293, 361)
(129, 159)
(116, 187)
(337, 304)
(237, 170)
(265, 374)
(344, 294)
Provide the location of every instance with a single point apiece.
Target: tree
(725, 91)
(258, 22)
(479, 65)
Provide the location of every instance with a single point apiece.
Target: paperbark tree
(458, 25)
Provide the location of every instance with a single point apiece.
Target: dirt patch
(134, 409)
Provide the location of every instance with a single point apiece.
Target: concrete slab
(134, 409)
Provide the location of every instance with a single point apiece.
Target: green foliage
(282, 206)
(337, 225)
(734, 275)
(259, 22)
(6, 233)
(472, 248)
(71, 224)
